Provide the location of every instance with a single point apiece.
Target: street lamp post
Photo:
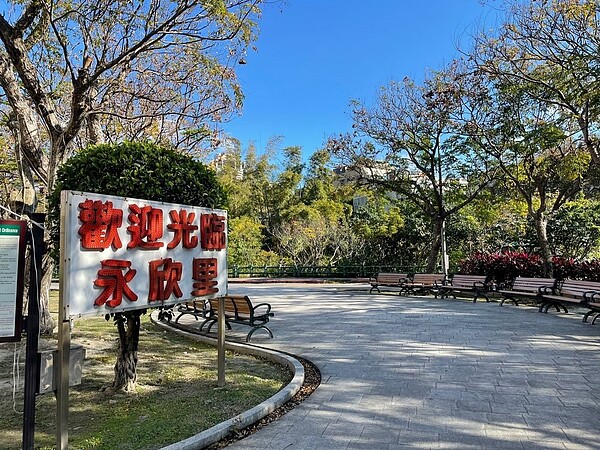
(444, 249)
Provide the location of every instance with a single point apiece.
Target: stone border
(219, 431)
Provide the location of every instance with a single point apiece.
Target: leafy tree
(9, 176)
(314, 241)
(494, 222)
(539, 160)
(80, 72)
(246, 176)
(245, 242)
(551, 48)
(407, 144)
(137, 170)
(318, 182)
(285, 190)
(380, 227)
(574, 230)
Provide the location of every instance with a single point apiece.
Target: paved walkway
(424, 373)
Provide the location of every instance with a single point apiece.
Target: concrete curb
(214, 434)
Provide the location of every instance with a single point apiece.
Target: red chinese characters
(164, 277)
(182, 225)
(169, 252)
(205, 276)
(146, 227)
(212, 231)
(114, 283)
(100, 224)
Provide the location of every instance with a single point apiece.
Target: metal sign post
(62, 382)
(64, 338)
(32, 369)
(221, 344)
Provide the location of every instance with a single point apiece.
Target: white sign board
(12, 261)
(124, 254)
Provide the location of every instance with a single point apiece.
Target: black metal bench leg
(257, 328)
(594, 319)
(205, 322)
(227, 324)
(512, 299)
(557, 306)
(586, 315)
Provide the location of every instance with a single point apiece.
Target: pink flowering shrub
(504, 266)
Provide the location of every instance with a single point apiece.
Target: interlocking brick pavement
(401, 372)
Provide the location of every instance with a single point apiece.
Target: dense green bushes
(507, 265)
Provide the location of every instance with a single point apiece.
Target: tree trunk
(436, 245)
(47, 322)
(540, 228)
(128, 325)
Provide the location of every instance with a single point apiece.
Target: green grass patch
(177, 394)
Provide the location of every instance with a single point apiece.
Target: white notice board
(12, 263)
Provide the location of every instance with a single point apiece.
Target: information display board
(12, 265)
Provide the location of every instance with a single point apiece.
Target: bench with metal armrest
(239, 309)
(569, 293)
(422, 283)
(476, 285)
(388, 280)
(527, 288)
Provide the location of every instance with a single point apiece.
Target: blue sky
(314, 56)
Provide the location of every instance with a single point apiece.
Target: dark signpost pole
(32, 368)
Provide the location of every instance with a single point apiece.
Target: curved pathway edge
(219, 431)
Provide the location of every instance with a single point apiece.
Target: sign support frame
(64, 338)
(221, 343)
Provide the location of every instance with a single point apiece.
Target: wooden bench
(421, 283)
(527, 288)
(390, 280)
(239, 309)
(571, 292)
(476, 285)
